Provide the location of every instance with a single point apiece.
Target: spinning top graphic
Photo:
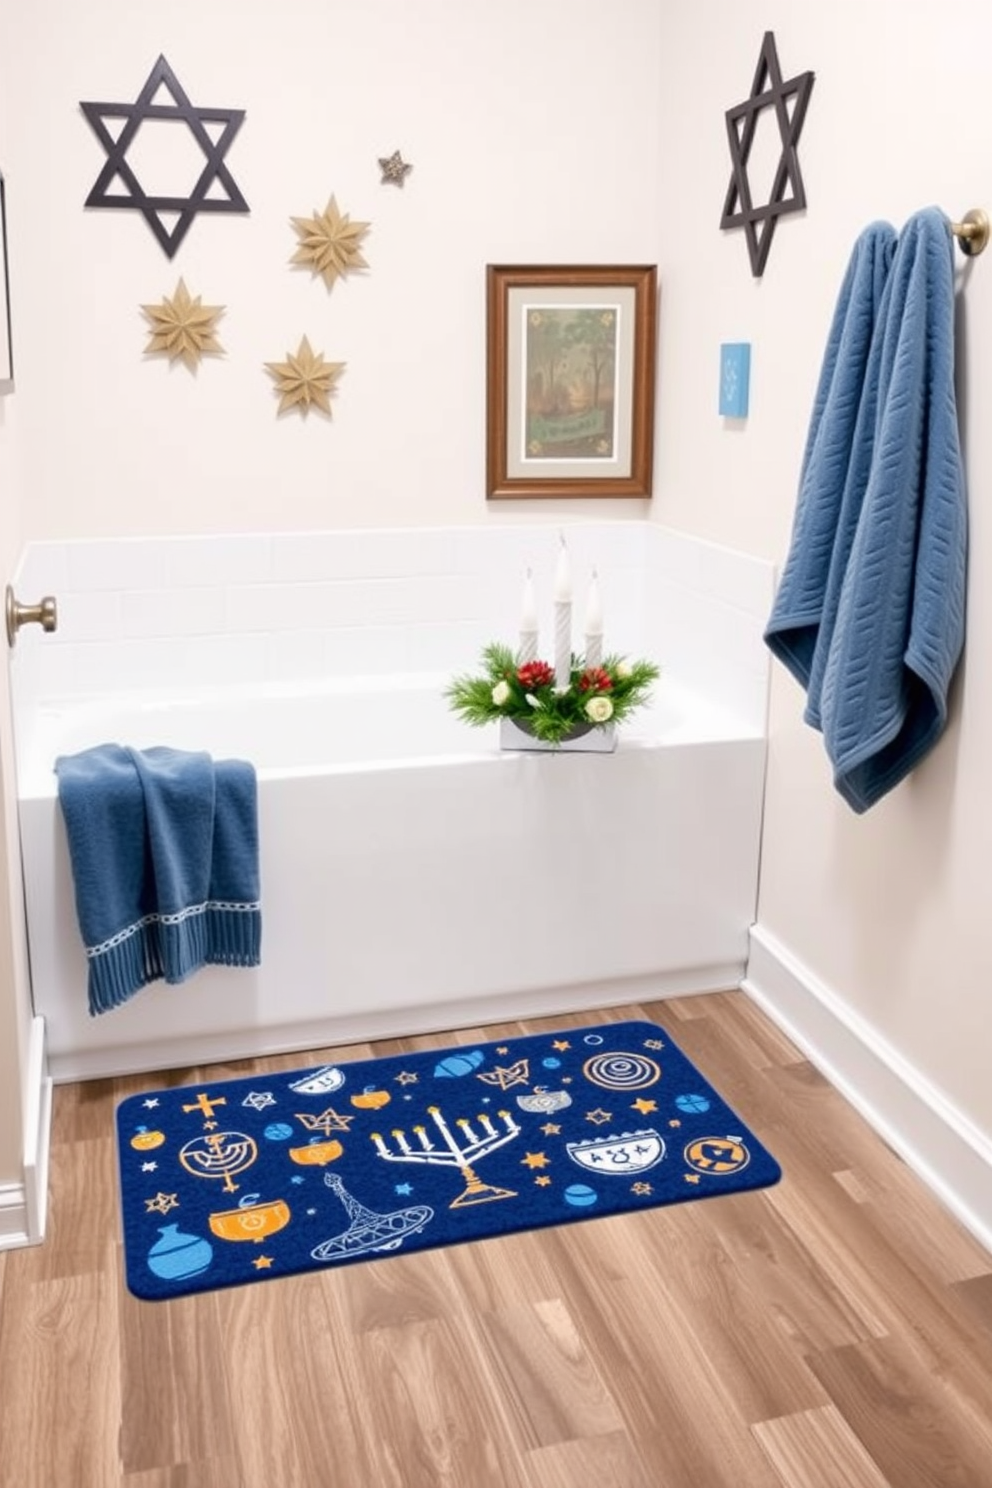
(368, 1230)
(322, 1082)
(544, 1102)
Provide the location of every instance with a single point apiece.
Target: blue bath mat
(234, 1181)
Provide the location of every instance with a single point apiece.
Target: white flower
(624, 669)
(501, 693)
(598, 709)
(532, 700)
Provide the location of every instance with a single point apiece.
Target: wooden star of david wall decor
(790, 101)
(213, 129)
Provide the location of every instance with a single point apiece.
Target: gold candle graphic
(456, 1152)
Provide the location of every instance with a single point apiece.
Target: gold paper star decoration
(394, 169)
(182, 328)
(329, 243)
(304, 380)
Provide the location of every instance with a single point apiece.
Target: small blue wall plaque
(735, 374)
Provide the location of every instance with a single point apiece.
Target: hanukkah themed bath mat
(234, 1181)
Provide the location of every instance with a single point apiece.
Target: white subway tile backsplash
(286, 657)
(351, 602)
(712, 570)
(172, 612)
(137, 614)
(240, 558)
(43, 568)
(128, 563)
(320, 556)
(93, 616)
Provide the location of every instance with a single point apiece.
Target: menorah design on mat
(455, 1154)
(219, 1155)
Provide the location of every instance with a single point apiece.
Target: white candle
(594, 624)
(528, 623)
(563, 621)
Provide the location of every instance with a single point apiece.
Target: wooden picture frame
(570, 380)
(6, 348)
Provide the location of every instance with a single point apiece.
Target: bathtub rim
(678, 716)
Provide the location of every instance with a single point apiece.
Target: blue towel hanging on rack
(901, 613)
(834, 472)
(869, 614)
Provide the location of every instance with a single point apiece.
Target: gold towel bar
(973, 232)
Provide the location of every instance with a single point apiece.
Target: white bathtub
(413, 877)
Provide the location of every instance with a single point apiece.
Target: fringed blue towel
(869, 614)
(900, 619)
(164, 852)
(834, 472)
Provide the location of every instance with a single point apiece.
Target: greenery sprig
(595, 697)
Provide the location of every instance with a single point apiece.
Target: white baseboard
(359, 1027)
(917, 1120)
(24, 1206)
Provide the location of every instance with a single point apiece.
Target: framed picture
(570, 380)
(6, 354)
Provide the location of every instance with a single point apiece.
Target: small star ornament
(183, 329)
(394, 169)
(305, 380)
(330, 243)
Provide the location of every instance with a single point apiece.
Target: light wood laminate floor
(834, 1331)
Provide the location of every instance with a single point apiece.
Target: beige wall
(889, 911)
(532, 132)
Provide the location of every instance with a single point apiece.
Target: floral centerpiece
(525, 692)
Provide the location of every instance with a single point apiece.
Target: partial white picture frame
(6, 347)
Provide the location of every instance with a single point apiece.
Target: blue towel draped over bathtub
(881, 529)
(163, 845)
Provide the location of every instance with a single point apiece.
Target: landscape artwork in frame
(6, 353)
(570, 380)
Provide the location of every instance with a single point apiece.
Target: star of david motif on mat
(328, 1121)
(768, 91)
(214, 191)
(259, 1099)
(505, 1078)
(162, 1203)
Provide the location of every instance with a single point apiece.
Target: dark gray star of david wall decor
(215, 176)
(787, 194)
